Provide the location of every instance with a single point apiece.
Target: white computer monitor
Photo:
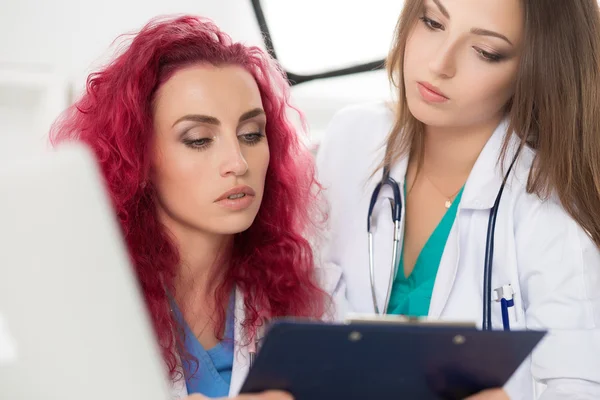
(73, 325)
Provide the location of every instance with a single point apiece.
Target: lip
(431, 93)
(237, 204)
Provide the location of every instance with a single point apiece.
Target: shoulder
(530, 207)
(354, 122)
(543, 228)
(373, 111)
(551, 243)
(532, 212)
(354, 140)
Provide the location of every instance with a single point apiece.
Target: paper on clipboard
(402, 319)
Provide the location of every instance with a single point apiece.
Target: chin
(233, 224)
(428, 114)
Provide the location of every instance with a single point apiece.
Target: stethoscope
(503, 294)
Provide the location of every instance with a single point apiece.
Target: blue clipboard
(361, 360)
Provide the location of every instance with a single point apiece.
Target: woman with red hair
(214, 191)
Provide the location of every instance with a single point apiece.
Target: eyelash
(252, 138)
(431, 24)
(485, 55)
(249, 139)
(489, 57)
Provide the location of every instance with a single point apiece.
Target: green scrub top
(411, 295)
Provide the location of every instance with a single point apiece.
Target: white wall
(69, 35)
(48, 47)
(29, 101)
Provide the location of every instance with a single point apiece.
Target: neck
(452, 152)
(202, 256)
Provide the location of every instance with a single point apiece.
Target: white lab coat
(327, 276)
(548, 259)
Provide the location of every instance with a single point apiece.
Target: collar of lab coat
(487, 174)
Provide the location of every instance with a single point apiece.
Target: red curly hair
(272, 262)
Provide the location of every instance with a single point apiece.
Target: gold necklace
(449, 199)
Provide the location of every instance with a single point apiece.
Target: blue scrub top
(211, 376)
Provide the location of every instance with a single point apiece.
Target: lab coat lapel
(486, 176)
(479, 193)
(446, 272)
(241, 357)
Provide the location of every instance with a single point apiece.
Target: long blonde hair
(555, 109)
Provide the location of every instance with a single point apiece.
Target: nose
(443, 61)
(233, 161)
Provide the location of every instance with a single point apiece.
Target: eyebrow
(207, 119)
(475, 31)
(485, 32)
(251, 114)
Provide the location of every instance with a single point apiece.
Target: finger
(270, 395)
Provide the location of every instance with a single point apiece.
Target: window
(313, 36)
